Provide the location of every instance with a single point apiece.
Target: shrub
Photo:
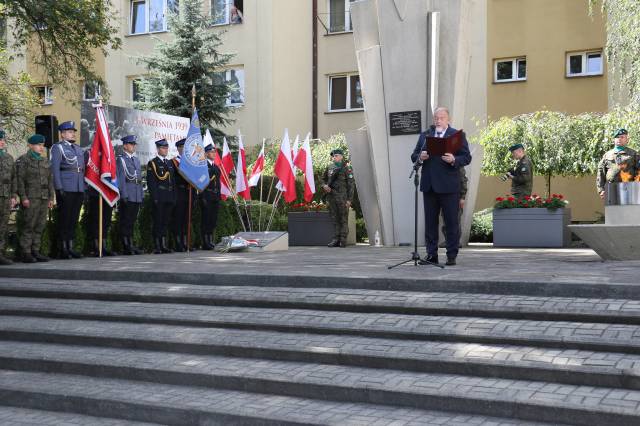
(482, 227)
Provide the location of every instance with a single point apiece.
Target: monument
(413, 55)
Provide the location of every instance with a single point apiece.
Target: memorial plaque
(405, 123)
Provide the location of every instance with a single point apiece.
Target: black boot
(64, 250)
(126, 247)
(135, 250)
(185, 243)
(5, 261)
(334, 243)
(212, 242)
(206, 244)
(177, 244)
(73, 253)
(106, 251)
(157, 249)
(163, 246)
(95, 251)
(39, 257)
(27, 258)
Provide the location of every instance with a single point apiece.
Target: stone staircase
(281, 351)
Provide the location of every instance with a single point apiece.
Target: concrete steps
(251, 354)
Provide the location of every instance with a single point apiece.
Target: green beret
(336, 151)
(2, 134)
(516, 146)
(35, 139)
(620, 132)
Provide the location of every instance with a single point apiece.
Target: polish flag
(303, 162)
(242, 186)
(258, 167)
(294, 151)
(284, 170)
(226, 166)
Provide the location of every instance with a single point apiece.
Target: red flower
(526, 197)
(511, 199)
(560, 196)
(499, 199)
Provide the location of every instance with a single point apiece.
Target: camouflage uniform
(522, 182)
(7, 192)
(613, 163)
(464, 185)
(34, 183)
(340, 179)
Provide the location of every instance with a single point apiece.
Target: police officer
(35, 188)
(180, 214)
(210, 201)
(161, 182)
(131, 192)
(522, 174)
(7, 194)
(617, 162)
(93, 214)
(338, 184)
(67, 166)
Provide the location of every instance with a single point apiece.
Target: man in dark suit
(161, 183)
(440, 185)
(210, 201)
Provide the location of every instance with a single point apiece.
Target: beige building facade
(295, 67)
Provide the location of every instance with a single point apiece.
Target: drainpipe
(314, 72)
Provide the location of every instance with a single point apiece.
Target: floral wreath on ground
(313, 206)
(556, 201)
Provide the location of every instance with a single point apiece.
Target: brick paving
(25, 417)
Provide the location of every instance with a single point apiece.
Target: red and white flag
(242, 186)
(257, 169)
(303, 162)
(226, 166)
(208, 140)
(294, 151)
(284, 170)
(100, 172)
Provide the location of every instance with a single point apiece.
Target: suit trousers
(69, 207)
(448, 203)
(128, 215)
(161, 214)
(93, 212)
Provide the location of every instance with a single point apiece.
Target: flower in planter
(307, 207)
(556, 201)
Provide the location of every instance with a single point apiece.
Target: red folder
(440, 146)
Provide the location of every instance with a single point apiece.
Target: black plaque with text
(405, 123)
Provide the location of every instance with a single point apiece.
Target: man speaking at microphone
(440, 187)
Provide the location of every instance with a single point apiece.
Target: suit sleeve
(463, 156)
(416, 151)
(464, 183)
(151, 180)
(56, 160)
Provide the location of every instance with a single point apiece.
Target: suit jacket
(129, 178)
(438, 176)
(161, 180)
(212, 192)
(67, 166)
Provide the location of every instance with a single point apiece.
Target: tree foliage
(17, 102)
(65, 35)
(190, 58)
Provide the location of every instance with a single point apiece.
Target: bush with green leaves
(482, 227)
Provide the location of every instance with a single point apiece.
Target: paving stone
(25, 417)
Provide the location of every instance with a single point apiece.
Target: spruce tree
(190, 58)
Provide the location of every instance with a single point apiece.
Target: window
(508, 70)
(90, 91)
(340, 16)
(580, 64)
(225, 12)
(234, 78)
(345, 93)
(3, 32)
(150, 16)
(45, 94)
(136, 93)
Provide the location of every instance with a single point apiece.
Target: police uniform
(7, 194)
(93, 215)
(339, 177)
(129, 174)
(209, 204)
(67, 166)
(180, 216)
(34, 185)
(161, 182)
(522, 180)
(617, 164)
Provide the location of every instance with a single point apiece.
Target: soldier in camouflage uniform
(464, 185)
(7, 194)
(522, 174)
(338, 184)
(35, 189)
(616, 161)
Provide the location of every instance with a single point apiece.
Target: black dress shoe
(334, 243)
(428, 259)
(27, 258)
(343, 243)
(40, 257)
(451, 261)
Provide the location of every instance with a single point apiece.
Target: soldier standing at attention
(131, 192)
(464, 185)
(522, 175)
(616, 161)
(210, 201)
(337, 183)
(161, 182)
(35, 188)
(180, 214)
(67, 166)
(7, 194)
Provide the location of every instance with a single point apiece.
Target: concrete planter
(537, 227)
(316, 228)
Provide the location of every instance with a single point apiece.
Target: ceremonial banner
(100, 172)
(193, 165)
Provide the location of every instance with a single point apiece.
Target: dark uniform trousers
(161, 183)
(93, 212)
(5, 211)
(180, 214)
(340, 215)
(161, 215)
(69, 206)
(210, 201)
(128, 215)
(449, 204)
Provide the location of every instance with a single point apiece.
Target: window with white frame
(90, 91)
(345, 93)
(580, 64)
(234, 78)
(150, 16)
(44, 94)
(509, 70)
(340, 16)
(224, 12)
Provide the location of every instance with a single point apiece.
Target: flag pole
(100, 227)
(273, 209)
(272, 180)
(234, 196)
(260, 205)
(193, 108)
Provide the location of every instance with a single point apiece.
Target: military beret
(2, 134)
(67, 125)
(35, 139)
(180, 142)
(208, 148)
(336, 151)
(162, 142)
(129, 139)
(620, 132)
(516, 146)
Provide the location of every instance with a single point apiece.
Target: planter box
(316, 228)
(538, 227)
